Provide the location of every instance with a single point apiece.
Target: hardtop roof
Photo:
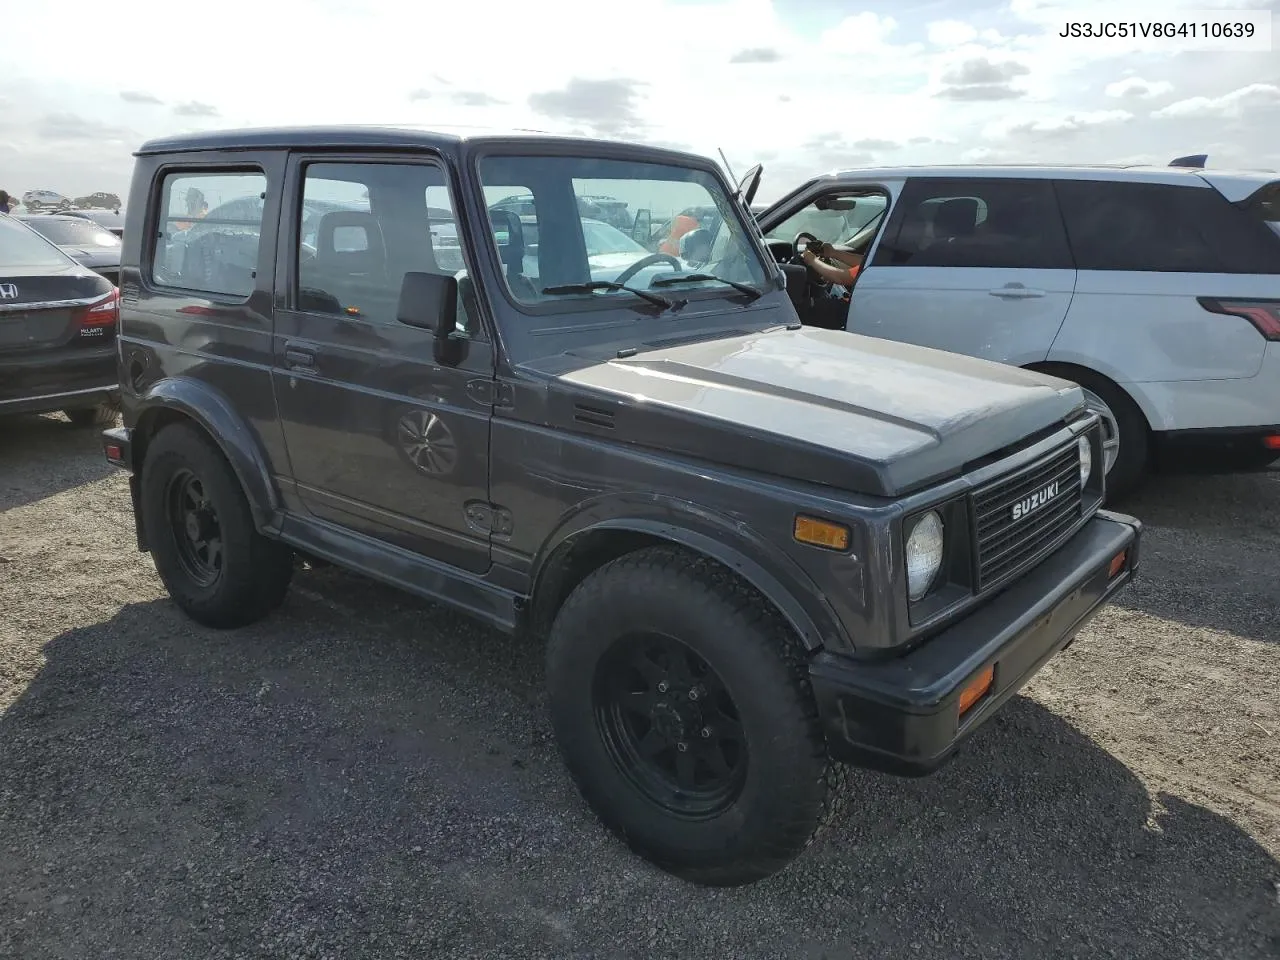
(357, 136)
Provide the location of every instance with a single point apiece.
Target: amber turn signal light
(1117, 563)
(821, 533)
(977, 688)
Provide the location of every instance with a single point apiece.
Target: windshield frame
(620, 307)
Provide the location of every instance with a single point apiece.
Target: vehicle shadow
(1210, 546)
(326, 785)
(41, 456)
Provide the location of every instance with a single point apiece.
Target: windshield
(75, 233)
(558, 223)
(22, 247)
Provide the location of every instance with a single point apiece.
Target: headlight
(924, 554)
(1086, 459)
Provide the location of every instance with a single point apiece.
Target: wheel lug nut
(662, 687)
(682, 746)
(706, 732)
(693, 694)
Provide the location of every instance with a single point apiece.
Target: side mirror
(429, 301)
(642, 229)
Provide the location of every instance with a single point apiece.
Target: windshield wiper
(703, 277)
(608, 285)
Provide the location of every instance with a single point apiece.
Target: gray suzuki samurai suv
(756, 550)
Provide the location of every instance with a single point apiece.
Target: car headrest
(956, 217)
(509, 234)
(361, 236)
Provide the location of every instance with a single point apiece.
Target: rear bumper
(902, 715)
(117, 447)
(61, 400)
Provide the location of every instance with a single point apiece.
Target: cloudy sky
(801, 85)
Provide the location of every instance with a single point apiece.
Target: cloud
(475, 98)
(950, 33)
(608, 106)
(72, 126)
(1254, 97)
(1135, 88)
(872, 144)
(194, 108)
(1058, 128)
(137, 96)
(980, 78)
(757, 55)
(463, 98)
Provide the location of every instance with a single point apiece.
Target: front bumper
(903, 715)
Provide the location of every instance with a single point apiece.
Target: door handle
(298, 357)
(1015, 291)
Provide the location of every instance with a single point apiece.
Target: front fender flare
(217, 416)
(775, 576)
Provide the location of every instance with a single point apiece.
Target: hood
(858, 413)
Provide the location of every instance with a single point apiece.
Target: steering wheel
(808, 238)
(814, 278)
(648, 261)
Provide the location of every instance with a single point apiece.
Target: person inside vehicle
(679, 227)
(7, 202)
(197, 208)
(837, 265)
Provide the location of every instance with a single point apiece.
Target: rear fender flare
(214, 413)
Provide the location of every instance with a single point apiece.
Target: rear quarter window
(209, 229)
(1163, 228)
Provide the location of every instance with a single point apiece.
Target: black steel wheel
(215, 564)
(193, 522)
(670, 725)
(682, 707)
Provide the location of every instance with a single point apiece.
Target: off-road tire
(256, 570)
(103, 415)
(790, 784)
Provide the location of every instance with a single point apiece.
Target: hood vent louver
(593, 416)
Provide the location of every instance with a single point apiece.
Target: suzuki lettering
(8, 291)
(1035, 501)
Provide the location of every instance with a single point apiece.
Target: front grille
(1007, 545)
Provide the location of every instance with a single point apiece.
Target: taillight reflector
(1272, 442)
(103, 313)
(1263, 314)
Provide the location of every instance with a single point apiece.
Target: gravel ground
(364, 775)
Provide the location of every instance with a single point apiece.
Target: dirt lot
(368, 776)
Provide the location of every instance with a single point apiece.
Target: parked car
(754, 549)
(1157, 289)
(44, 201)
(112, 220)
(98, 201)
(58, 322)
(83, 240)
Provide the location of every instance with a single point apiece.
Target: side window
(980, 222)
(362, 227)
(1163, 228)
(208, 234)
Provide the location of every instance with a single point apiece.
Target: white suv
(1157, 289)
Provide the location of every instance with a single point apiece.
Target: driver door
(851, 213)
